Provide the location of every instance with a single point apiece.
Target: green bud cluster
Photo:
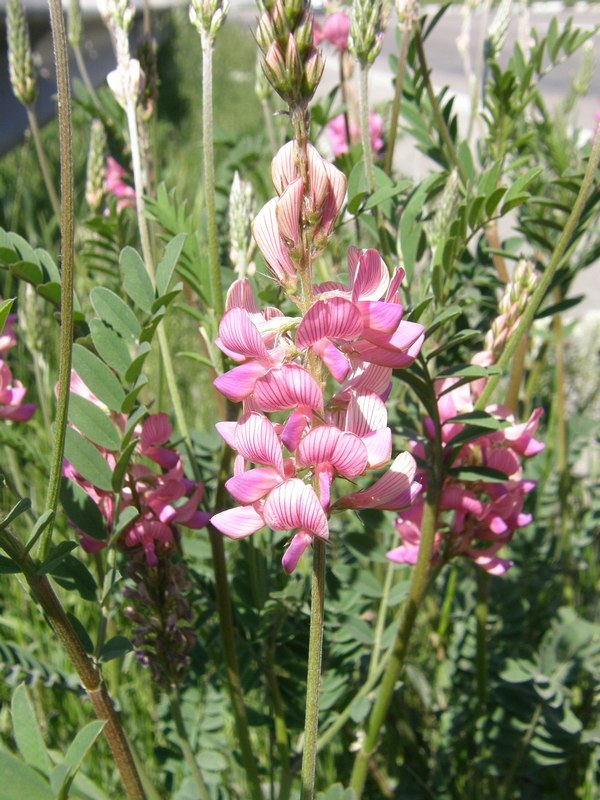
(291, 63)
(498, 29)
(20, 64)
(95, 186)
(512, 305)
(74, 23)
(365, 31)
(207, 16)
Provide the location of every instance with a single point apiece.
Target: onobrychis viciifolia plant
(324, 368)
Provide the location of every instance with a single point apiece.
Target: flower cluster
(12, 392)
(335, 31)
(483, 514)
(338, 139)
(155, 485)
(116, 184)
(355, 330)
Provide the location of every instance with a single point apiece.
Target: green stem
(506, 790)
(481, 618)
(381, 616)
(184, 741)
(67, 234)
(402, 59)
(313, 683)
(140, 188)
(89, 674)
(447, 604)
(540, 292)
(435, 106)
(418, 587)
(43, 160)
(209, 175)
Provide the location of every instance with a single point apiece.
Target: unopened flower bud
(292, 62)
(95, 186)
(313, 72)
(274, 66)
(207, 16)
(265, 33)
(365, 31)
(20, 64)
(241, 214)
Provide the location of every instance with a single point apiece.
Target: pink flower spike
(289, 386)
(255, 439)
(157, 430)
(293, 504)
(238, 522)
(336, 31)
(299, 543)
(332, 318)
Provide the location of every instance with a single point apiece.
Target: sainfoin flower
(285, 470)
(338, 136)
(479, 516)
(116, 184)
(335, 30)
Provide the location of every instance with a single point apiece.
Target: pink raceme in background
(338, 139)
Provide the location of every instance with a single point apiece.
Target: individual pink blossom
(336, 31)
(116, 185)
(338, 138)
(8, 336)
(12, 395)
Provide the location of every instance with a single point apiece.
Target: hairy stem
(67, 249)
(313, 683)
(89, 674)
(216, 288)
(540, 292)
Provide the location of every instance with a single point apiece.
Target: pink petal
(238, 522)
(289, 386)
(366, 413)
(391, 296)
(241, 295)
(394, 359)
(252, 485)
(271, 245)
(335, 197)
(318, 446)
(284, 169)
(239, 337)
(370, 277)
(289, 211)
(335, 361)
(299, 543)
(350, 456)
(297, 423)
(227, 431)
(256, 440)
(405, 554)
(240, 381)
(405, 335)
(333, 318)
(379, 447)
(380, 316)
(293, 504)
(392, 490)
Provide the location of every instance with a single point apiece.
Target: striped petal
(379, 447)
(405, 335)
(289, 386)
(391, 491)
(238, 522)
(297, 423)
(380, 316)
(369, 274)
(271, 245)
(241, 295)
(318, 446)
(289, 211)
(333, 318)
(350, 456)
(254, 484)
(366, 413)
(293, 504)
(239, 337)
(284, 169)
(256, 440)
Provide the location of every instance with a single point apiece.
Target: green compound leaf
(87, 460)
